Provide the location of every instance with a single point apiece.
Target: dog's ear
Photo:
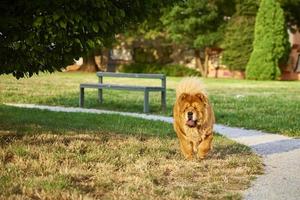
(183, 96)
(203, 98)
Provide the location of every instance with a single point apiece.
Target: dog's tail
(191, 85)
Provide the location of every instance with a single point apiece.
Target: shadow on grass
(223, 147)
(113, 100)
(18, 122)
(8, 137)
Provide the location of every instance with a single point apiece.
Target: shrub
(271, 43)
(239, 35)
(168, 70)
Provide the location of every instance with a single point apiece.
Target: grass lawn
(53, 155)
(272, 106)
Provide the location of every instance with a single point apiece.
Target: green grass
(55, 155)
(33, 121)
(272, 106)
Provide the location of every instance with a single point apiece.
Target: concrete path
(280, 154)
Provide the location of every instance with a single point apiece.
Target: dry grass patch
(112, 166)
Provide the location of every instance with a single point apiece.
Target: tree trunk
(104, 60)
(206, 67)
(198, 63)
(89, 64)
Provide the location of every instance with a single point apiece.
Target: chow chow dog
(193, 119)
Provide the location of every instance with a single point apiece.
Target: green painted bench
(146, 89)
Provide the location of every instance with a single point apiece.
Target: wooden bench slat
(130, 75)
(121, 87)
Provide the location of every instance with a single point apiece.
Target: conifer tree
(271, 43)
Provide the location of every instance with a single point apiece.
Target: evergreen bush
(271, 45)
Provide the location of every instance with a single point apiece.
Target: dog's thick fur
(193, 119)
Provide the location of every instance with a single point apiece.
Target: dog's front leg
(186, 149)
(205, 146)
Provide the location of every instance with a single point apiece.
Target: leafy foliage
(168, 70)
(239, 35)
(292, 12)
(271, 43)
(46, 35)
(196, 23)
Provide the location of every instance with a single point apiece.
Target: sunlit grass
(272, 106)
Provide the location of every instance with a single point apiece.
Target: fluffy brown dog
(193, 119)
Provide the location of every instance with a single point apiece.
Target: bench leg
(146, 101)
(81, 97)
(100, 95)
(163, 101)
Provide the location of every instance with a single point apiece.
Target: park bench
(146, 89)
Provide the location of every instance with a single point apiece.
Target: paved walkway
(280, 154)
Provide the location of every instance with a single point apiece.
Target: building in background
(292, 70)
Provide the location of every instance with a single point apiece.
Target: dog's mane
(191, 85)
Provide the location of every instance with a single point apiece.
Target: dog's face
(192, 109)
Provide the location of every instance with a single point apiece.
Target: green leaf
(55, 16)
(77, 18)
(95, 27)
(98, 42)
(38, 22)
(91, 44)
(122, 13)
(16, 45)
(103, 26)
(110, 20)
(79, 42)
(63, 24)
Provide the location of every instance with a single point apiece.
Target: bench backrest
(132, 75)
